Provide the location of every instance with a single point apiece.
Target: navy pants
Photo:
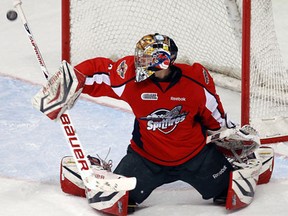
(208, 173)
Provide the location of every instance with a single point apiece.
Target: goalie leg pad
(266, 155)
(243, 184)
(115, 203)
(70, 179)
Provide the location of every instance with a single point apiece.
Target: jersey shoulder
(197, 73)
(95, 65)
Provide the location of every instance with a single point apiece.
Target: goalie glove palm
(60, 93)
(240, 143)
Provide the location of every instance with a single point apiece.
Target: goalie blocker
(60, 93)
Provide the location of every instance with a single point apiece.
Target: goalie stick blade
(99, 180)
(111, 185)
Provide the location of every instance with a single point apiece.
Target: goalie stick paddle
(91, 180)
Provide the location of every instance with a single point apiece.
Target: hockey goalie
(181, 131)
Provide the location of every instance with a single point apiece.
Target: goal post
(264, 81)
(65, 30)
(246, 46)
(232, 38)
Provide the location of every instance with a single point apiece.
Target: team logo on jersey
(121, 69)
(165, 120)
(149, 96)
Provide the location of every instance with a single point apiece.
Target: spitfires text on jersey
(165, 120)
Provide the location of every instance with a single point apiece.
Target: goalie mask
(153, 52)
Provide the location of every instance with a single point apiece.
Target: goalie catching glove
(239, 142)
(60, 93)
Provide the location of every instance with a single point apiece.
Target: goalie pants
(208, 173)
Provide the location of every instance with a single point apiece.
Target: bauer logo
(165, 120)
(149, 96)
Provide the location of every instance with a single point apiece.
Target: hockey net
(209, 32)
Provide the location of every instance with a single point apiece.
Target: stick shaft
(17, 5)
(69, 131)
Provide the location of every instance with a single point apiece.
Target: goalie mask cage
(232, 38)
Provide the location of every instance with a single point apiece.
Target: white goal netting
(206, 31)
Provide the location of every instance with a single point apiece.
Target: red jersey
(171, 117)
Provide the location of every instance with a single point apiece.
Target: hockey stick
(94, 181)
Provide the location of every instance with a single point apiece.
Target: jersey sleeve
(105, 77)
(97, 72)
(211, 111)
